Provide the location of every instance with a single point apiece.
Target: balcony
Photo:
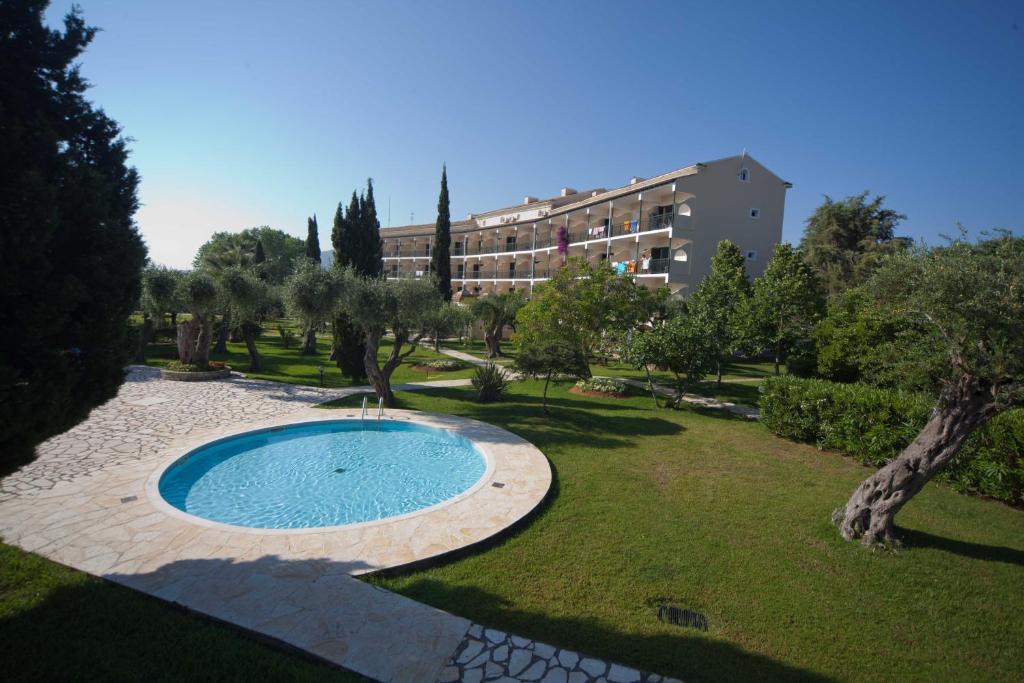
(658, 266)
(406, 252)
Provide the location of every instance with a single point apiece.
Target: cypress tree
(260, 256)
(340, 238)
(372, 249)
(70, 255)
(440, 256)
(312, 239)
(348, 345)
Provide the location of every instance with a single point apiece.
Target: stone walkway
(739, 409)
(83, 503)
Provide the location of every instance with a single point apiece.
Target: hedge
(873, 425)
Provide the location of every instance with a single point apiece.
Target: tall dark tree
(312, 239)
(348, 343)
(440, 256)
(370, 258)
(70, 255)
(845, 241)
(259, 260)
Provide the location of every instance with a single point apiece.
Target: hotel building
(662, 230)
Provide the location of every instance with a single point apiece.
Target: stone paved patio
(85, 503)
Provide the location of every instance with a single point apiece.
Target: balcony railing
(406, 252)
(658, 266)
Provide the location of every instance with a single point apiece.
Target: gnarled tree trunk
(869, 514)
(223, 330)
(492, 337)
(194, 336)
(249, 331)
(309, 345)
(186, 339)
(380, 377)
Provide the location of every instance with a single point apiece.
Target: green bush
(490, 382)
(874, 425)
(605, 385)
(445, 364)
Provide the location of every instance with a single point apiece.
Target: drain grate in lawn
(682, 617)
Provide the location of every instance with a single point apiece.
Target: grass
(288, 365)
(60, 624)
(717, 515)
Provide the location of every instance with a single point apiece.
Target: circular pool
(322, 474)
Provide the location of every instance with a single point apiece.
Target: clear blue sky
(250, 113)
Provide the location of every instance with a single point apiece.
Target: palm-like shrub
(490, 382)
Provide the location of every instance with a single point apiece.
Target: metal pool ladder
(362, 417)
(380, 411)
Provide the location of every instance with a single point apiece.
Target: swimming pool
(322, 474)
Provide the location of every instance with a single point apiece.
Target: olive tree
(971, 296)
(198, 294)
(496, 312)
(375, 305)
(446, 320)
(159, 296)
(311, 293)
(247, 297)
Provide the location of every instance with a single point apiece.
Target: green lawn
(716, 515)
(58, 624)
(288, 365)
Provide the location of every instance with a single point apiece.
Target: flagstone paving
(90, 502)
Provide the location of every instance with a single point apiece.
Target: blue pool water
(322, 474)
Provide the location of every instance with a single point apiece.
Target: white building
(661, 230)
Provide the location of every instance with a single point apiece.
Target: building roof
(560, 204)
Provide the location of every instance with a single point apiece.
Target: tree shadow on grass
(913, 538)
(89, 629)
(572, 422)
(683, 652)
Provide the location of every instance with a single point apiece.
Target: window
(744, 175)
(512, 270)
(476, 269)
(755, 213)
(427, 249)
(751, 255)
(510, 243)
(462, 270)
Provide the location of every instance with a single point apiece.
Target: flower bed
(600, 386)
(183, 372)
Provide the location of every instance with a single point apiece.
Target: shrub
(178, 366)
(604, 385)
(490, 382)
(287, 336)
(445, 364)
(874, 425)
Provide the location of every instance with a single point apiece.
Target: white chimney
(566, 191)
(635, 179)
(529, 200)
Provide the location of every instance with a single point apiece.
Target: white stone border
(468, 518)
